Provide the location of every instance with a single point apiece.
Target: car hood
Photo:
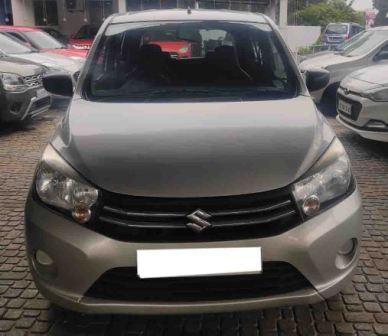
(68, 52)
(19, 66)
(367, 78)
(324, 61)
(192, 149)
(81, 41)
(56, 62)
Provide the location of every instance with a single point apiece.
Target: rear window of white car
(337, 29)
(150, 61)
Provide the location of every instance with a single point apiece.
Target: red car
(41, 41)
(176, 49)
(170, 41)
(83, 39)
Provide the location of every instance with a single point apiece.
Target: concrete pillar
(122, 6)
(271, 9)
(23, 13)
(283, 13)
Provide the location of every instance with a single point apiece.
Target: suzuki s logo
(346, 91)
(198, 220)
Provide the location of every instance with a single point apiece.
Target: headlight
(184, 49)
(58, 185)
(328, 180)
(12, 82)
(380, 95)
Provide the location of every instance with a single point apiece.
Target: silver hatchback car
(191, 174)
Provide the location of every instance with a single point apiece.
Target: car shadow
(30, 125)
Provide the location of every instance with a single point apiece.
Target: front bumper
(20, 105)
(364, 111)
(81, 256)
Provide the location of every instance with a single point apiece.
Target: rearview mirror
(317, 79)
(60, 84)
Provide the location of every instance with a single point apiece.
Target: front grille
(123, 284)
(33, 81)
(130, 218)
(41, 103)
(356, 107)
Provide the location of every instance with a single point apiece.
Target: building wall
(300, 36)
(70, 22)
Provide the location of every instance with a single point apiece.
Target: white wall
(300, 36)
(23, 12)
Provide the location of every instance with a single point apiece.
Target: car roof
(189, 15)
(344, 23)
(18, 28)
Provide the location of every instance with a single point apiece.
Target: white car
(11, 47)
(362, 102)
(365, 49)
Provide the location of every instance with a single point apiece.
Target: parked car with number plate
(363, 50)
(191, 185)
(362, 102)
(22, 94)
(12, 47)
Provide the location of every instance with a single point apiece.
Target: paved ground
(362, 307)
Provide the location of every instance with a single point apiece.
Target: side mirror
(58, 84)
(317, 79)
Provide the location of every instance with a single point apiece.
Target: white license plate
(198, 262)
(41, 93)
(344, 107)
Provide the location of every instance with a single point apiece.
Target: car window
(18, 36)
(364, 43)
(337, 29)
(354, 30)
(190, 60)
(382, 54)
(11, 46)
(42, 40)
(86, 33)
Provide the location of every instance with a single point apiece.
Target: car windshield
(42, 40)
(336, 29)
(10, 46)
(86, 33)
(218, 60)
(363, 43)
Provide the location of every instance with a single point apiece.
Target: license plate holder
(168, 263)
(345, 107)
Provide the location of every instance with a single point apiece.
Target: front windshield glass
(86, 33)
(42, 40)
(336, 29)
(190, 60)
(363, 43)
(10, 46)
